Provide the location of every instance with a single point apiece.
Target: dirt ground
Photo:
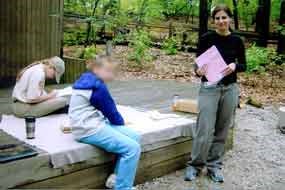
(265, 88)
(257, 161)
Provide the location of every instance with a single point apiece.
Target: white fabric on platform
(63, 149)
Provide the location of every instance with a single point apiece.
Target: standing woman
(29, 96)
(217, 102)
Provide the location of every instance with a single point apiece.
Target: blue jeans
(124, 142)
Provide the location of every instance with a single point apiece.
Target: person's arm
(103, 101)
(43, 98)
(35, 91)
(241, 59)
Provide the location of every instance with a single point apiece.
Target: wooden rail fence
(73, 68)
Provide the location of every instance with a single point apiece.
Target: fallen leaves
(265, 88)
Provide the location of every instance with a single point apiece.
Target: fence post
(109, 48)
(281, 40)
(263, 22)
(203, 17)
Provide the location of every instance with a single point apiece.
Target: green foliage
(259, 58)
(176, 7)
(89, 52)
(119, 38)
(111, 15)
(227, 2)
(281, 29)
(146, 11)
(73, 36)
(140, 44)
(275, 10)
(101, 16)
(247, 11)
(169, 46)
(69, 39)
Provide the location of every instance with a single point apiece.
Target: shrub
(247, 10)
(73, 37)
(169, 46)
(119, 38)
(281, 29)
(140, 43)
(89, 52)
(258, 58)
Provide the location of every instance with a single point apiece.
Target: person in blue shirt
(95, 120)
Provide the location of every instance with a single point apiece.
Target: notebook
(64, 92)
(215, 64)
(14, 149)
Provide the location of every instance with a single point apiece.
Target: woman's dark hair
(222, 7)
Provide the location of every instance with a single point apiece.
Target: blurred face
(222, 21)
(106, 72)
(50, 72)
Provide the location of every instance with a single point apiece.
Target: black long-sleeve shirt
(231, 48)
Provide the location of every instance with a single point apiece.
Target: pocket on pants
(208, 91)
(21, 109)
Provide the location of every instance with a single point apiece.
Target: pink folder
(215, 64)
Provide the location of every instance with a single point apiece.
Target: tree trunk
(89, 23)
(263, 22)
(203, 17)
(236, 15)
(281, 40)
(170, 32)
(109, 47)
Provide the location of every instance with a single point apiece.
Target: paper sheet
(64, 92)
(215, 64)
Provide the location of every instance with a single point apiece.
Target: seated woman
(29, 97)
(95, 120)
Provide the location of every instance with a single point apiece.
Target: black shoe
(282, 129)
(191, 173)
(216, 175)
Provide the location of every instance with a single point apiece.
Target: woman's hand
(45, 97)
(202, 71)
(230, 69)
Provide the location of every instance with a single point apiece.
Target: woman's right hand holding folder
(202, 70)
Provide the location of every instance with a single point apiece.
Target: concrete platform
(158, 159)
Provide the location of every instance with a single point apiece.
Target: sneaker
(191, 173)
(110, 182)
(282, 129)
(216, 175)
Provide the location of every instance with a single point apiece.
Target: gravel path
(257, 161)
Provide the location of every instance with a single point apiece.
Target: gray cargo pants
(217, 105)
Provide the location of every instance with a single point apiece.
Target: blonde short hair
(99, 61)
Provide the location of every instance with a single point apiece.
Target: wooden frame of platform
(157, 159)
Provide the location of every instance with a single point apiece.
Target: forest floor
(265, 88)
